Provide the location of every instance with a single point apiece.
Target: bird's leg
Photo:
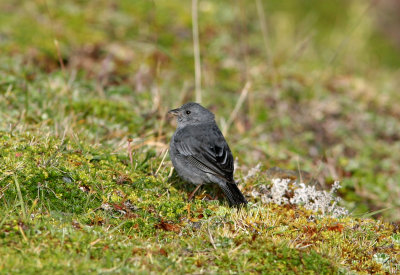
(194, 192)
(209, 197)
(217, 195)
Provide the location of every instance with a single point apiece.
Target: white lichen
(253, 172)
(282, 192)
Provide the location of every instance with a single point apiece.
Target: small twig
(21, 200)
(59, 56)
(130, 151)
(211, 237)
(162, 161)
(263, 25)
(22, 233)
(239, 104)
(188, 210)
(95, 241)
(196, 50)
(298, 169)
(303, 247)
(170, 172)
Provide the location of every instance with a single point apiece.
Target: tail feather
(233, 194)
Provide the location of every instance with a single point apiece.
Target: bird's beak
(174, 112)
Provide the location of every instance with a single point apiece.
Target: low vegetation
(86, 184)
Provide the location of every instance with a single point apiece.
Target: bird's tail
(233, 194)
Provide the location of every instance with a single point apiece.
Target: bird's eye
(188, 112)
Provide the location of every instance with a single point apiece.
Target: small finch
(200, 153)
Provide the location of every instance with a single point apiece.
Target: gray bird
(200, 154)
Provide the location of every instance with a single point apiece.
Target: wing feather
(205, 147)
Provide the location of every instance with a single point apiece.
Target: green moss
(82, 217)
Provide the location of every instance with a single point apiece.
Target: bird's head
(192, 113)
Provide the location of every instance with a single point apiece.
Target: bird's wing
(205, 147)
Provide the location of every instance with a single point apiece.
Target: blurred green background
(324, 81)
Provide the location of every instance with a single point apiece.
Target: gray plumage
(199, 152)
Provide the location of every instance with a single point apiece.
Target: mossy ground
(85, 182)
(70, 207)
